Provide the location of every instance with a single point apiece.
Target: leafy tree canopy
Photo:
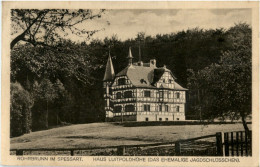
(48, 26)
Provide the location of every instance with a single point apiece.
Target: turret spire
(130, 57)
(109, 73)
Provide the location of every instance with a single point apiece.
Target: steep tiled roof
(139, 76)
(158, 74)
(142, 76)
(109, 73)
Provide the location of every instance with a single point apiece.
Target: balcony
(154, 113)
(124, 113)
(123, 100)
(107, 96)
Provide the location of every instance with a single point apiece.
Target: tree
(67, 60)
(45, 93)
(223, 89)
(61, 104)
(48, 26)
(20, 115)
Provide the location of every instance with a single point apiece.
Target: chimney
(152, 63)
(140, 63)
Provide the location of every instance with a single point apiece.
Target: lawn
(108, 134)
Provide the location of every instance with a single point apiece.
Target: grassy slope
(107, 134)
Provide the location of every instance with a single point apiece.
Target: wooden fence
(234, 143)
(222, 144)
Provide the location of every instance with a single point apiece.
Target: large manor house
(142, 92)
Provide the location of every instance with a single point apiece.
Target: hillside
(108, 134)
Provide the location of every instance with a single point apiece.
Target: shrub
(20, 110)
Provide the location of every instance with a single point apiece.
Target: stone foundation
(119, 118)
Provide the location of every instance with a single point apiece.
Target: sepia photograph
(126, 83)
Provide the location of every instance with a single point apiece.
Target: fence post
(237, 143)
(177, 148)
(250, 142)
(219, 143)
(121, 150)
(72, 152)
(241, 138)
(19, 152)
(232, 144)
(246, 142)
(226, 138)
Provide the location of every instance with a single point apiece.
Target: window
(146, 107)
(160, 119)
(178, 95)
(166, 119)
(128, 94)
(160, 107)
(178, 118)
(161, 94)
(169, 94)
(121, 81)
(129, 108)
(166, 108)
(147, 93)
(163, 80)
(146, 119)
(178, 108)
(118, 108)
(118, 95)
(170, 80)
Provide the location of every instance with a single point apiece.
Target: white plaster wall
(142, 117)
(154, 117)
(109, 114)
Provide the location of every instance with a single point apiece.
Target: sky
(127, 23)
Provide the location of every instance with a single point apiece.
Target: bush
(20, 110)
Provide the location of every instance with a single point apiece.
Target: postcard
(130, 83)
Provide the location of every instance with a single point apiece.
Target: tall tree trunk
(244, 123)
(57, 118)
(47, 117)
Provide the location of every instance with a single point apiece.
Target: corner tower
(107, 81)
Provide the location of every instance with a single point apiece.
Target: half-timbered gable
(166, 80)
(143, 92)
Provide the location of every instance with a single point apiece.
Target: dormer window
(143, 81)
(121, 81)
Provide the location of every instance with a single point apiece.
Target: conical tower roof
(109, 73)
(130, 54)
